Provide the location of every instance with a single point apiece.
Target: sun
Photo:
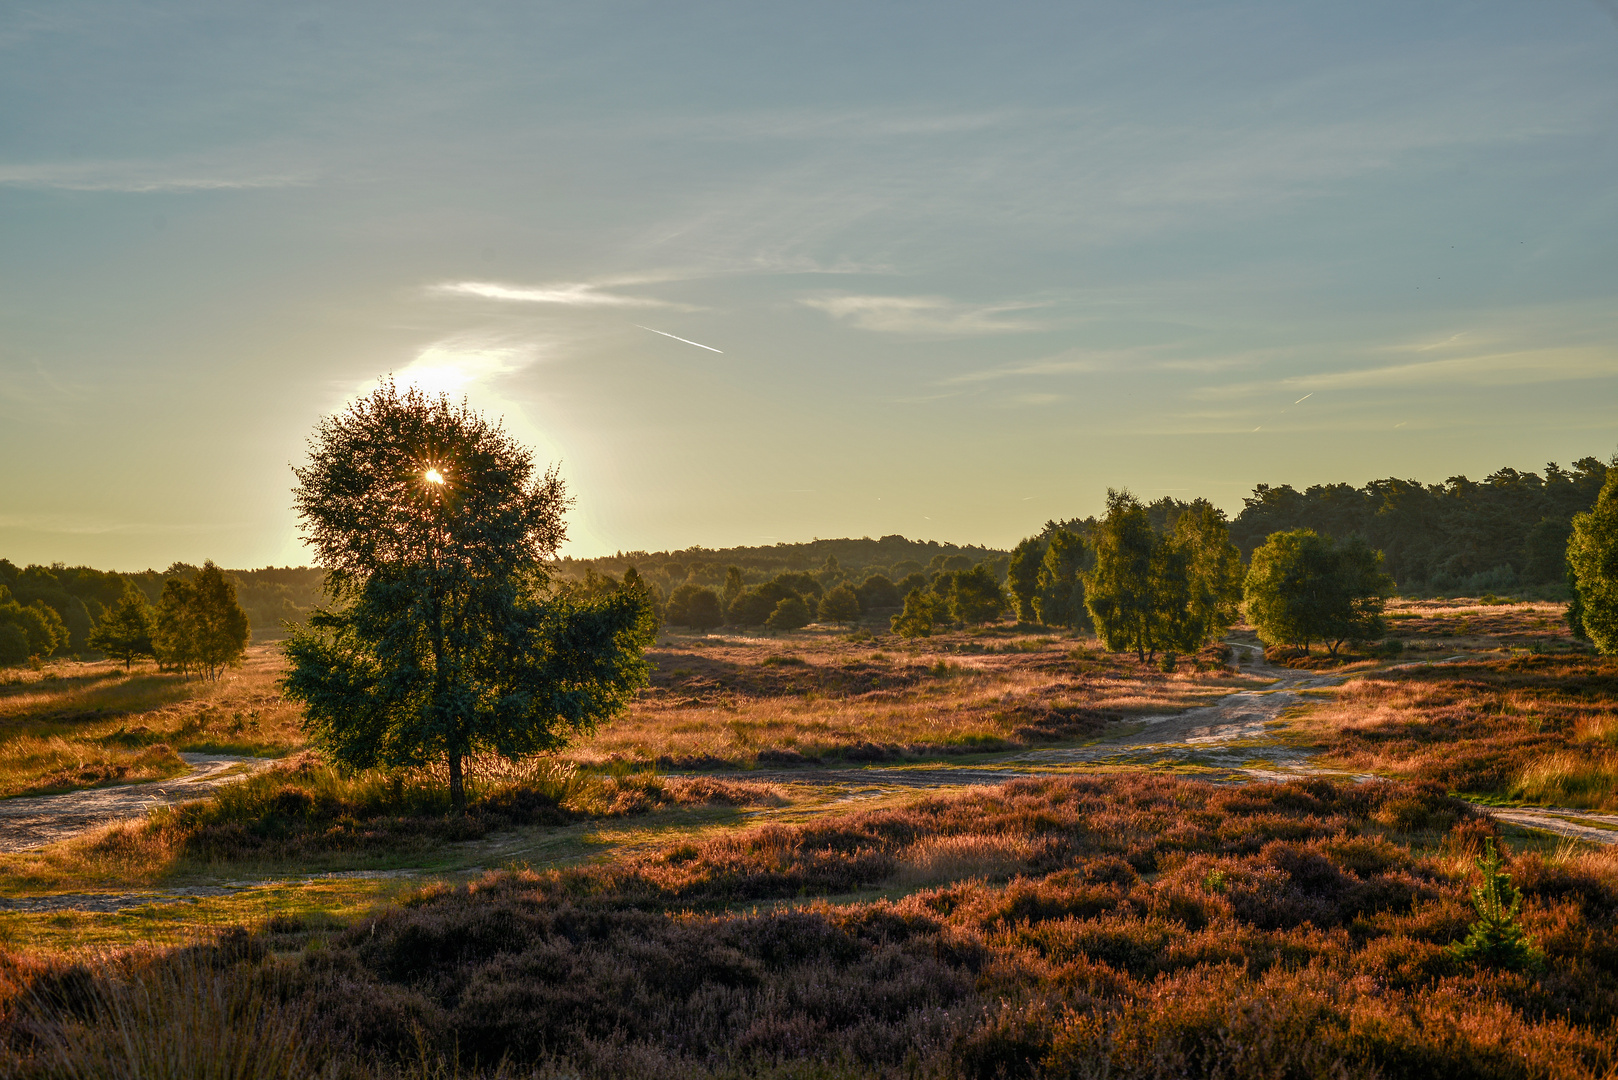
(433, 476)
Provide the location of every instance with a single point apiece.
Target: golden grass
(740, 703)
(76, 725)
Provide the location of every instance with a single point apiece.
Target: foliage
(1022, 577)
(841, 604)
(1214, 571)
(1119, 590)
(1592, 556)
(878, 592)
(125, 632)
(750, 608)
(696, 606)
(922, 610)
(974, 597)
(790, 613)
(442, 639)
(37, 629)
(1301, 588)
(1462, 535)
(1496, 939)
(1058, 598)
(199, 626)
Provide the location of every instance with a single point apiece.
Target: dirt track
(36, 820)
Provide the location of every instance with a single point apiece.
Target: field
(799, 856)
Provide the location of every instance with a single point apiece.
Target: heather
(1130, 926)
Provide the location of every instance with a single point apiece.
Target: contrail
(1305, 398)
(688, 341)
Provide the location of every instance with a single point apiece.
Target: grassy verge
(1126, 926)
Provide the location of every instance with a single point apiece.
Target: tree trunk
(457, 791)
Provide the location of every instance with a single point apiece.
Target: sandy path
(36, 820)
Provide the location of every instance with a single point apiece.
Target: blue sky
(964, 266)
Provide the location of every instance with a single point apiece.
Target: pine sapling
(1495, 939)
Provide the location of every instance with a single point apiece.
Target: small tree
(751, 607)
(1592, 560)
(789, 614)
(1213, 571)
(877, 591)
(840, 605)
(1022, 577)
(41, 628)
(975, 597)
(734, 585)
(443, 636)
(125, 632)
(1302, 588)
(695, 606)
(1118, 591)
(219, 623)
(1495, 939)
(1059, 582)
(921, 611)
(174, 637)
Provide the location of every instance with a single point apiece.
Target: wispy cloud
(926, 315)
(1073, 362)
(456, 365)
(1520, 368)
(140, 177)
(568, 294)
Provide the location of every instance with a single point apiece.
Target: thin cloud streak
(573, 294)
(925, 315)
(677, 337)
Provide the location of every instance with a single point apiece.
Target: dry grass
(1150, 927)
(76, 725)
(798, 698)
(1532, 728)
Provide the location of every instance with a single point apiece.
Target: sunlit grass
(77, 725)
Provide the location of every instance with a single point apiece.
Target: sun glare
(433, 476)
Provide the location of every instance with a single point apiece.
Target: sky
(755, 273)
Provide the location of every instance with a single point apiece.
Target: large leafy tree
(1213, 574)
(125, 632)
(443, 637)
(974, 596)
(1592, 559)
(1302, 588)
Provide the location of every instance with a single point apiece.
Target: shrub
(790, 614)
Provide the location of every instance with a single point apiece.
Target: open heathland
(730, 702)
(76, 725)
(1119, 926)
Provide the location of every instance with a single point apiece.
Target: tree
(1058, 598)
(921, 611)
(219, 623)
(696, 606)
(840, 605)
(1118, 591)
(790, 614)
(125, 632)
(734, 585)
(1302, 588)
(1022, 577)
(877, 591)
(174, 638)
(443, 636)
(975, 597)
(1592, 560)
(1213, 572)
(41, 628)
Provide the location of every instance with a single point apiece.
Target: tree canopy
(1058, 596)
(1302, 587)
(1592, 558)
(443, 637)
(125, 632)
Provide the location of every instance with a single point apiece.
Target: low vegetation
(1122, 927)
(819, 698)
(75, 725)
